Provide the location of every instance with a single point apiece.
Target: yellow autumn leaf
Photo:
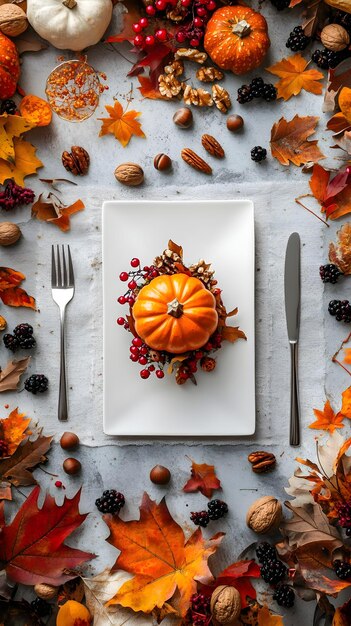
(11, 126)
(294, 77)
(25, 163)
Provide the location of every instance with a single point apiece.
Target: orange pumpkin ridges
(237, 38)
(175, 313)
(9, 67)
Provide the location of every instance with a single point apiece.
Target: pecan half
(261, 461)
(212, 146)
(194, 160)
(77, 161)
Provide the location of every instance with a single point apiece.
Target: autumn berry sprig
(13, 196)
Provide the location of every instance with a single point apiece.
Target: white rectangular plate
(223, 402)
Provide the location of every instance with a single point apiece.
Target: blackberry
(327, 59)
(284, 595)
(280, 5)
(24, 335)
(217, 509)
(111, 501)
(258, 154)
(256, 86)
(266, 552)
(10, 342)
(342, 569)
(297, 39)
(40, 607)
(200, 518)
(273, 571)
(344, 19)
(8, 106)
(244, 94)
(330, 273)
(341, 310)
(269, 92)
(4, 448)
(37, 383)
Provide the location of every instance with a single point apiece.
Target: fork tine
(53, 268)
(59, 267)
(65, 278)
(70, 267)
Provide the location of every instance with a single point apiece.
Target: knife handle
(294, 399)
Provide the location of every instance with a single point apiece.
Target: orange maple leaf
(289, 141)
(155, 550)
(203, 478)
(347, 356)
(122, 124)
(294, 77)
(10, 292)
(12, 430)
(346, 403)
(266, 618)
(327, 419)
(148, 89)
(54, 211)
(342, 121)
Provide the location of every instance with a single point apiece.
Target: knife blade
(292, 288)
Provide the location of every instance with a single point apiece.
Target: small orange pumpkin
(9, 67)
(36, 110)
(237, 39)
(175, 313)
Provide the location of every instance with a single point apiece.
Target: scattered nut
(335, 37)
(13, 20)
(69, 441)
(183, 117)
(225, 604)
(160, 475)
(198, 97)
(77, 161)
(9, 233)
(176, 68)
(264, 515)
(45, 591)
(71, 466)
(235, 122)
(130, 174)
(194, 160)
(209, 74)
(169, 85)
(261, 461)
(3, 323)
(162, 162)
(221, 98)
(191, 54)
(212, 146)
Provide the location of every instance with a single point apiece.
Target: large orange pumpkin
(175, 313)
(237, 39)
(9, 67)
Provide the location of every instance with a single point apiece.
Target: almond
(194, 160)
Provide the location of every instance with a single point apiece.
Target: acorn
(69, 441)
(160, 475)
(72, 466)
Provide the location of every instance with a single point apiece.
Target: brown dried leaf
(52, 210)
(340, 252)
(289, 141)
(174, 247)
(314, 16)
(17, 469)
(29, 44)
(337, 78)
(309, 525)
(10, 376)
(344, 142)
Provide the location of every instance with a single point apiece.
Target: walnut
(169, 85)
(130, 174)
(225, 604)
(177, 13)
(335, 37)
(176, 68)
(264, 515)
(45, 591)
(9, 233)
(192, 54)
(221, 98)
(209, 74)
(197, 97)
(77, 161)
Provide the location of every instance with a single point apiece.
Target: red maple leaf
(333, 194)
(237, 575)
(203, 478)
(32, 548)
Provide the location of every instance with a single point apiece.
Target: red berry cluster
(137, 278)
(200, 12)
(147, 41)
(200, 612)
(14, 195)
(140, 353)
(344, 514)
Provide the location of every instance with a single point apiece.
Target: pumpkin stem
(242, 28)
(70, 4)
(174, 308)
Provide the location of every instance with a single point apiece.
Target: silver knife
(292, 286)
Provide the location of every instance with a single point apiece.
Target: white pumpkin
(70, 24)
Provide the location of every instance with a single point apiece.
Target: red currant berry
(144, 373)
(144, 22)
(121, 321)
(150, 10)
(138, 41)
(201, 11)
(137, 27)
(151, 368)
(149, 40)
(146, 268)
(132, 284)
(160, 5)
(180, 37)
(123, 276)
(154, 273)
(160, 373)
(144, 351)
(134, 358)
(137, 342)
(134, 350)
(186, 3)
(126, 326)
(199, 354)
(122, 299)
(135, 262)
(211, 5)
(143, 360)
(194, 42)
(131, 300)
(161, 34)
(198, 22)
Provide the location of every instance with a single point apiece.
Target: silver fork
(62, 288)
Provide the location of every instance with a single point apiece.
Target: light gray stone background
(125, 464)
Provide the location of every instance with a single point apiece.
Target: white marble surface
(273, 189)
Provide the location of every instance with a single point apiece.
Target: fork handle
(294, 399)
(62, 403)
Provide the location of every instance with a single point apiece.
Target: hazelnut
(3, 323)
(45, 591)
(9, 233)
(130, 174)
(264, 515)
(162, 162)
(234, 123)
(183, 117)
(225, 604)
(69, 441)
(72, 466)
(160, 475)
